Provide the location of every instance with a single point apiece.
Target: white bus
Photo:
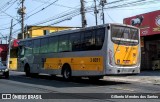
(91, 52)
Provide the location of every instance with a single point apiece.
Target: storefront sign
(149, 23)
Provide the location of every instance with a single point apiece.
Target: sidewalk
(144, 77)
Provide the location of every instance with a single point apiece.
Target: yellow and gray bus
(93, 52)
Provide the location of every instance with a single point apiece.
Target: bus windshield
(124, 35)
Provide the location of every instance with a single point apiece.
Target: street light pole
(9, 45)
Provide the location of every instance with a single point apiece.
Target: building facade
(35, 31)
(149, 24)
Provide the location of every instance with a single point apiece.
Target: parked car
(4, 71)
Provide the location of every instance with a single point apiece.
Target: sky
(45, 11)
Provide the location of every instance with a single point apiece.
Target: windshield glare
(124, 35)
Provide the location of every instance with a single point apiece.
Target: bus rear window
(124, 35)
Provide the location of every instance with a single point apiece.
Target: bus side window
(36, 46)
(100, 35)
(21, 51)
(88, 40)
(28, 47)
(44, 45)
(75, 42)
(63, 43)
(53, 44)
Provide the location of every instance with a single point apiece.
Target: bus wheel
(95, 77)
(66, 72)
(27, 70)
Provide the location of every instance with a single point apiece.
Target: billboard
(149, 23)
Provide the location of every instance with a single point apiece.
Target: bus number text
(94, 59)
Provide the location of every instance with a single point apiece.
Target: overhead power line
(56, 22)
(11, 4)
(10, 15)
(42, 9)
(4, 11)
(64, 14)
(59, 16)
(90, 9)
(60, 5)
(37, 7)
(127, 3)
(5, 5)
(72, 12)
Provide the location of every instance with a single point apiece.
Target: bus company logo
(157, 20)
(6, 96)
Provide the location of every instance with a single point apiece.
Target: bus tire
(94, 78)
(27, 71)
(66, 72)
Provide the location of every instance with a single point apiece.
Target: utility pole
(9, 45)
(102, 3)
(84, 22)
(95, 11)
(21, 12)
(22, 16)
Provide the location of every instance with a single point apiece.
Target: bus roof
(77, 30)
(119, 24)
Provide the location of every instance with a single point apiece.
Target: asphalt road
(18, 83)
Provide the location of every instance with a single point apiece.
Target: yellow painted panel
(125, 55)
(36, 33)
(13, 64)
(76, 63)
(52, 31)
